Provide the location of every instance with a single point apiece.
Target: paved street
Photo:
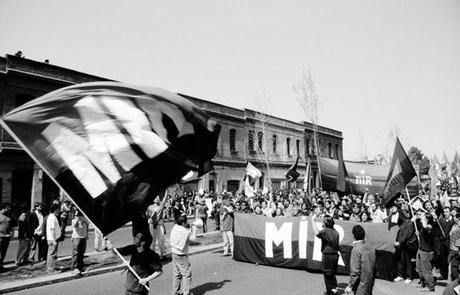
(120, 237)
(215, 274)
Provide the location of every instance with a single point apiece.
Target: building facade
(271, 144)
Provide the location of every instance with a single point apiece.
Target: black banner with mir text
(291, 243)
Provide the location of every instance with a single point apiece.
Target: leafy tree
(417, 157)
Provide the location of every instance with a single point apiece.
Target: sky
(380, 67)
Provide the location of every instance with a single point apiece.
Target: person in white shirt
(53, 233)
(181, 235)
(377, 215)
(267, 209)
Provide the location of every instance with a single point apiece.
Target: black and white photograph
(230, 147)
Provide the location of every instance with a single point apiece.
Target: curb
(67, 276)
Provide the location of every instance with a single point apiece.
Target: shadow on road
(202, 289)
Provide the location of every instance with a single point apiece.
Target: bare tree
(309, 101)
(259, 136)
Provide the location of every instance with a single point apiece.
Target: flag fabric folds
(292, 175)
(400, 174)
(252, 174)
(341, 174)
(112, 147)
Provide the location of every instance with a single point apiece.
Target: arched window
(275, 142)
(297, 145)
(251, 140)
(308, 146)
(288, 146)
(232, 140)
(260, 141)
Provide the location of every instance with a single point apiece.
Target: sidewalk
(22, 284)
(68, 230)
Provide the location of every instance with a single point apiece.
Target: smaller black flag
(292, 175)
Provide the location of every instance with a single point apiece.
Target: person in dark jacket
(145, 262)
(406, 248)
(330, 249)
(446, 222)
(424, 223)
(362, 264)
(434, 209)
(24, 236)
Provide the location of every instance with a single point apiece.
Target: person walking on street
(156, 224)
(454, 248)
(406, 245)
(425, 251)
(446, 222)
(227, 219)
(330, 249)
(202, 213)
(79, 236)
(38, 242)
(25, 235)
(181, 236)
(6, 231)
(362, 264)
(145, 262)
(53, 233)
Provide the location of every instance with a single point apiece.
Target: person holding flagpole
(425, 251)
(144, 262)
(330, 249)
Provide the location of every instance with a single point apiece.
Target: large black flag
(112, 147)
(400, 174)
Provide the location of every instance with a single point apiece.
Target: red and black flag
(400, 174)
(292, 175)
(112, 147)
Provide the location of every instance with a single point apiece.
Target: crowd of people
(40, 231)
(428, 235)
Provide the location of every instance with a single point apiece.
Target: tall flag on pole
(252, 174)
(341, 174)
(400, 174)
(112, 147)
(292, 175)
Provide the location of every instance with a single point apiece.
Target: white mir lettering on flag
(112, 147)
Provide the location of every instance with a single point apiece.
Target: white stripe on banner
(135, 122)
(71, 148)
(275, 236)
(103, 134)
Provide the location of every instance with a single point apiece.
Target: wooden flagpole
(4, 125)
(412, 212)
